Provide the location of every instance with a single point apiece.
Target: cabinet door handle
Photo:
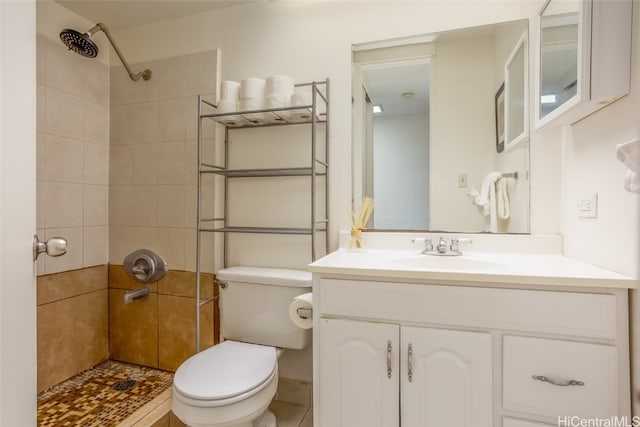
(410, 362)
(389, 359)
(558, 383)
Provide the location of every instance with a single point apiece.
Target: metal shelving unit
(310, 115)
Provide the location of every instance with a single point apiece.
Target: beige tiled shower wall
(159, 329)
(72, 156)
(116, 171)
(153, 159)
(72, 201)
(73, 333)
(82, 320)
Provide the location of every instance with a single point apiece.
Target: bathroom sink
(458, 263)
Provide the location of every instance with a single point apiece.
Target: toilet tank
(254, 306)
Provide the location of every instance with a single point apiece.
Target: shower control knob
(54, 246)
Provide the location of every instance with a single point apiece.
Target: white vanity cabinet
(407, 353)
(376, 374)
(360, 372)
(445, 377)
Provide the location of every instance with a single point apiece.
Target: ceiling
(130, 13)
(386, 84)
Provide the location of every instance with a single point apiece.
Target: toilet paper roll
(227, 105)
(229, 90)
(251, 104)
(252, 88)
(279, 85)
(301, 98)
(277, 101)
(301, 301)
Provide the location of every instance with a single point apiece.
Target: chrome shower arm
(146, 74)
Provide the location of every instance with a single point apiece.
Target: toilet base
(244, 413)
(268, 419)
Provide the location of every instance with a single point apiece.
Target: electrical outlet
(587, 206)
(463, 180)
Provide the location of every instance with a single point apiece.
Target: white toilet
(233, 383)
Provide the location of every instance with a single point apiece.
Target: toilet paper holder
(305, 313)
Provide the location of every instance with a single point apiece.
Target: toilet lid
(225, 370)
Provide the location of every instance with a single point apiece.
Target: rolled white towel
(502, 199)
(629, 154)
(632, 181)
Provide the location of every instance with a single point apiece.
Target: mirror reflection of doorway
(396, 141)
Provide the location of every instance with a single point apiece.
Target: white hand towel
(629, 154)
(486, 199)
(478, 201)
(502, 199)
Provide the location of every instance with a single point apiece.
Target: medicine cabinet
(584, 58)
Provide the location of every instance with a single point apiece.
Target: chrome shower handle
(54, 246)
(141, 268)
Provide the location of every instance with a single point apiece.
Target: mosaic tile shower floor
(92, 399)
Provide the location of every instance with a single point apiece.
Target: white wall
(401, 164)
(312, 40)
(590, 166)
(17, 213)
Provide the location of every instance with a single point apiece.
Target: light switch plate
(463, 180)
(587, 206)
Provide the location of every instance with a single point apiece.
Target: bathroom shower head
(83, 45)
(79, 43)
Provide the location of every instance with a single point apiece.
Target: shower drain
(124, 385)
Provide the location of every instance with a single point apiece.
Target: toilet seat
(226, 373)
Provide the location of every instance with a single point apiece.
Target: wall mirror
(425, 128)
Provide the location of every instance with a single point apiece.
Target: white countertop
(481, 267)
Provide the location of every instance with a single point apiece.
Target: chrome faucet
(441, 249)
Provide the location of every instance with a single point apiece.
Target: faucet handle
(428, 244)
(456, 241)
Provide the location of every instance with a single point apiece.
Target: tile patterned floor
(90, 399)
(292, 415)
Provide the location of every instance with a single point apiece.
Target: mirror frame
(583, 72)
(521, 46)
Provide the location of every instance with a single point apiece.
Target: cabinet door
(446, 378)
(355, 384)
